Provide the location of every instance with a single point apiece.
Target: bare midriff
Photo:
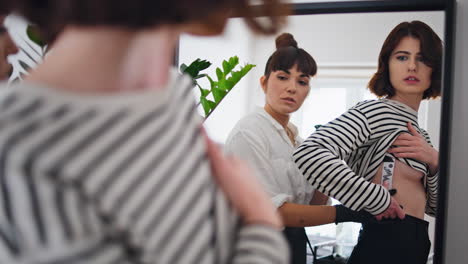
(410, 190)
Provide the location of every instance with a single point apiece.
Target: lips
(411, 80)
(289, 99)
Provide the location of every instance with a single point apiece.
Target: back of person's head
(431, 52)
(287, 55)
(53, 15)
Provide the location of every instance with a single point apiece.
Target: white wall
(457, 213)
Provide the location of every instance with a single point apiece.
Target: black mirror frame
(372, 6)
(446, 116)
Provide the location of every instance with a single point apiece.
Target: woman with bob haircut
(102, 153)
(376, 158)
(267, 140)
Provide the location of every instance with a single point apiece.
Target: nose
(412, 64)
(292, 87)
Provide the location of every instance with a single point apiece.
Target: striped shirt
(341, 158)
(115, 178)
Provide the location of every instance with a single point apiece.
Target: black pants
(297, 241)
(393, 241)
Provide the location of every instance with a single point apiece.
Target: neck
(107, 60)
(412, 101)
(283, 119)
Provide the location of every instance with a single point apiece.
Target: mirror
(345, 47)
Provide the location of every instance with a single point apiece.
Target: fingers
(402, 142)
(403, 136)
(412, 130)
(213, 151)
(392, 212)
(400, 213)
(402, 149)
(386, 184)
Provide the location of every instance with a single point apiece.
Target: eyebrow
(302, 75)
(405, 52)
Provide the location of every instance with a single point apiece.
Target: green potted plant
(226, 78)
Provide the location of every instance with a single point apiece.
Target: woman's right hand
(241, 187)
(392, 212)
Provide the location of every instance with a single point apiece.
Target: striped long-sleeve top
(341, 158)
(115, 178)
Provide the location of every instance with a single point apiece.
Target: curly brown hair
(52, 15)
(431, 51)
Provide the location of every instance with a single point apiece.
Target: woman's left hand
(414, 146)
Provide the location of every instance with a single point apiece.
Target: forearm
(299, 215)
(327, 173)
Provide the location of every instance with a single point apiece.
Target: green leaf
(219, 74)
(234, 60)
(34, 35)
(204, 92)
(201, 76)
(196, 67)
(207, 105)
(236, 76)
(213, 84)
(183, 67)
(218, 94)
(230, 64)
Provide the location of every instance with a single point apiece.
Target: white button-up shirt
(263, 142)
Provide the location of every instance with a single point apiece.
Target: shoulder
(254, 127)
(254, 122)
(368, 105)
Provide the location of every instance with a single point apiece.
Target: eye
(421, 59)
(282, 77)
(303, 83)
(402, 57)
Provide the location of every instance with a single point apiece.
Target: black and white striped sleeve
(321, 157)
(432, 184)
(239, 243)
(260, 244)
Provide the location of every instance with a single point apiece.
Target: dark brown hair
(287, 55)
(431, 51)
(52, 15)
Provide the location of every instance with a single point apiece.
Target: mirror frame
(448, 6)
(375, 6)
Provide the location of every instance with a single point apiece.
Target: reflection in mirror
(346, 49)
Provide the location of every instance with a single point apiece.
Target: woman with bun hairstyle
(375, 157)
(267, 140)
(102, 155)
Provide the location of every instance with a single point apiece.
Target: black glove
(344, 214)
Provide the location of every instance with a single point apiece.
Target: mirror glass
(346, 49)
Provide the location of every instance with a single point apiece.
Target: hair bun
(285, 40)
